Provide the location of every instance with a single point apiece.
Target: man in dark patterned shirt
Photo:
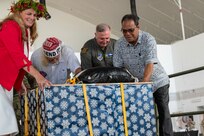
(137, 52)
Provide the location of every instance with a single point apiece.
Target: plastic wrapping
(105, 75)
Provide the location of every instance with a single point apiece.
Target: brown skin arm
(77, 70)
(148, 72)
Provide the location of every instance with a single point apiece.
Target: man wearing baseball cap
(55, 61)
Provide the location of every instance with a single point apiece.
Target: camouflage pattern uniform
(93, 56)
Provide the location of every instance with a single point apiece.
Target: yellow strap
(26, 115)
(124, 108)
(38, 114)
(72, 80)
(87, 110)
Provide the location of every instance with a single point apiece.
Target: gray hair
(102, 27)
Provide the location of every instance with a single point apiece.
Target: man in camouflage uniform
(98, 52)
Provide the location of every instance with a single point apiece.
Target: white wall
(188, 54)
(4, 6)
(165, 56)
(71, 30)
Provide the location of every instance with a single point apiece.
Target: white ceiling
(161, 18)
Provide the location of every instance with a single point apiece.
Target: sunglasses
(131, 30)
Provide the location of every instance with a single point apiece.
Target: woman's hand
(42, 82)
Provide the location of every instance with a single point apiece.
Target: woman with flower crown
(17, 33)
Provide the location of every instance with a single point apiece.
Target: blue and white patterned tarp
(66, 113)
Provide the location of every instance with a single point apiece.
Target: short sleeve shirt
(56, 73)
(135, 58)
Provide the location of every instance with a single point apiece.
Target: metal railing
(187, 113)
(184, 73)
(192, 112)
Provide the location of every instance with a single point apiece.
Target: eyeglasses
(131, 30)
